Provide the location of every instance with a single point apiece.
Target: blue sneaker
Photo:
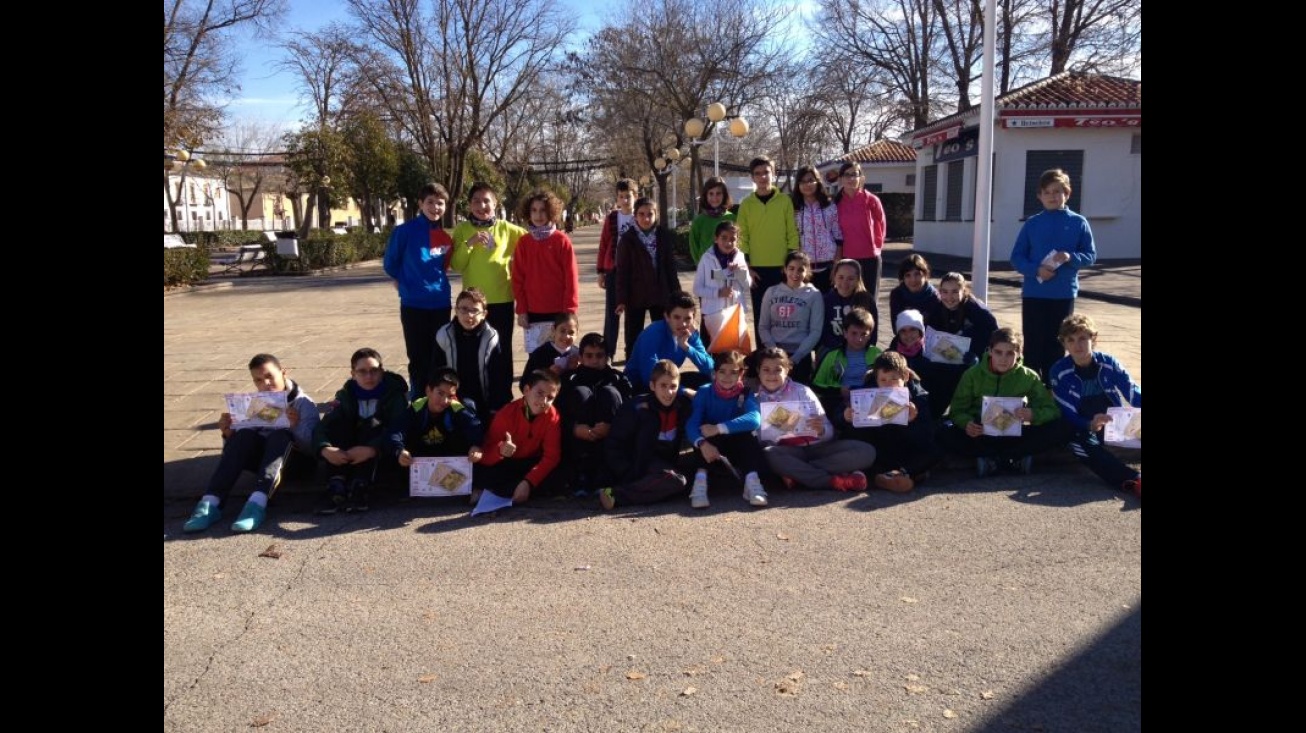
(250, 518)
(202, 518)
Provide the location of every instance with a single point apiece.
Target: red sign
(935, 138)
(1084, 121)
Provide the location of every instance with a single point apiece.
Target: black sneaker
(332, 501)
(358, 497)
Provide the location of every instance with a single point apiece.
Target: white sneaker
(753, 490)
(698, 494)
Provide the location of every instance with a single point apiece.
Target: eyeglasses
(470, 311)
(852, 174)
(368, 372)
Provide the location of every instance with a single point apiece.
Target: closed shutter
(952, 202)
(929, 188)
(1038, 161)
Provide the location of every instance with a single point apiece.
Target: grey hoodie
(791, 318)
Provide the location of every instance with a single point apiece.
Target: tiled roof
(1069, 90)
(880, 151)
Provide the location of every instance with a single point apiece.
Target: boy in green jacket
(1001, 373)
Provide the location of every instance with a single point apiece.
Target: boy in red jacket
(524, 443)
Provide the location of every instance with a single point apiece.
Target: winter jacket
(657, 342)
(739, 414)
(1047, 231)
(980, 381)
(489, 270)
(538, 438)
(496, 373)
(645, 433)
(1068, 387)
(707, 290)
(374, 431)
(417, 256)
(767, 232)
(451, 432)
(643, 281)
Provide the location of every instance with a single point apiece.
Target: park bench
(252, 255)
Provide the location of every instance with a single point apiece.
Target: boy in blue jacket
(1053, 245)
(1085, 383)
(417, 258)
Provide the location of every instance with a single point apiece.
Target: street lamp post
(695, 129)
(181, 161)
(669, 160)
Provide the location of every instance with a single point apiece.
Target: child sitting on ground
(1085, 383)
(812, 462)
(559, 354)
(351, 437)
(265, 451)
(723, 425)
(914, 289)
(524, 444)
(643, 448)
(592, 394)
(843, 369)
(1001, 374)
(904, 453)
(438, 424)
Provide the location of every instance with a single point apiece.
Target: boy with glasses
(472, 347)
(768, 231)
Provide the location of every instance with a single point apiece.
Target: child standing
(1001, 374)
(559, 354)
(264, 451)
(483, 251)
(524, 444)
(473, 348)
(617, 222)
(644, 447)
(724, 423)
(792, 315)
(713, 210)
(1052, 247)
(914, 289)
(861, 219)
(817, 219)
(545, 283)
(723, 257)
(438, 424)
(351, 438)
(767, 230)
(813, 462)
(416, 259)
(904, 453)
(1085, 383)
(646, 271)
(847, 292)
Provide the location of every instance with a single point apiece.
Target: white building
(203, 206)
(1090, 125)
(888, 166)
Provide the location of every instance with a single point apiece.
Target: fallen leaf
(829, 648)
(862, 673)
(840, 685)
(916, 689)
(912, 677)
(426, 678)
(787, 687)
(908, 599)
(262, 720)
(986, 695)
(795, 675)
(605, 668)
(782, 536)
(581, 567)
(688, 691)
(949, 714)
(635, 675)
(630, 656)
(273, 553)
(689, 672)
(219, 576)
(718, 660)
(912, 723)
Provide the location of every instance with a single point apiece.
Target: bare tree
(961, 24)
(237, 158)
(855, 103)
(1094, 34)
(461, 65)
(199, 67)
(323, 63)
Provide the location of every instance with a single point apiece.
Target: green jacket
(343, 428)
(829, 374)
(482, 268)
(979, 382)
(767, 232)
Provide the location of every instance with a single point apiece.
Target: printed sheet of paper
(876, 406)
(782, 420)
(536, 334)
(998, 416)
(944, 347)
(450, 476)
(723, 277)
(257, 410)
(1126, 427)
(1049, 261)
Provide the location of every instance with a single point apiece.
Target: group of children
(647, 434)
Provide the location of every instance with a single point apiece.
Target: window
(1136, 144)
(929, 185)
(874, 187)
(952, 198)
(1037, 161)
(911, 179)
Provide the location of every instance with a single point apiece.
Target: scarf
(481, 222)
(650, 241)
(913, 350)
(716, 213)
(722, 257)
(728, 394)
(544, 232)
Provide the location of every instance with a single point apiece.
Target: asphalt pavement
(996, 604)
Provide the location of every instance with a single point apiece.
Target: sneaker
(1025, 465)
(698, 494)
(202, 518)
(606, 499)
(753, 490)
(788, 482)
(334, 499)
(985, 467)
(250, 518)
(1134, 486)
(358, 497)
(474, 498)
(855, 481)
(896, 481)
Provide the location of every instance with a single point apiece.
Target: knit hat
(910, 318)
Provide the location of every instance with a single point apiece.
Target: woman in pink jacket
(861, 220)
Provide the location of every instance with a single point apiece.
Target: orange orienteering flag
(733, 333)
